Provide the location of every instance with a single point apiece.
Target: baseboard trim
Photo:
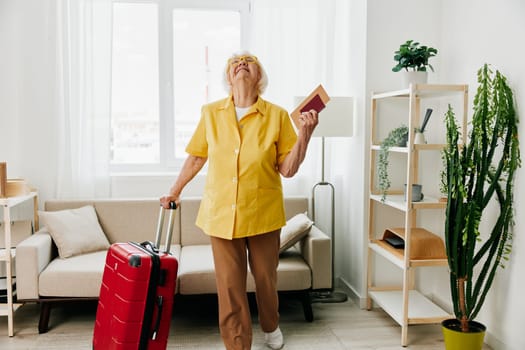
(351, 292)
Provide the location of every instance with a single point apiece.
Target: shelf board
(12, 201)
(425, 90)
(420, 308)
(429, 146)
(391, 149)
(3, 284)
(417, 146)
(396, 256)
(4, 309)
(440, 90)
(4, 256)
(396, 93)
(398, 201)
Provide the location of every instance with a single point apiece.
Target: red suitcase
(136, 296)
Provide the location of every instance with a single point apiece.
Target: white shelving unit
(422, 248)
(8, 254)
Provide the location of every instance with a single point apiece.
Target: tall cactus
(473, 174)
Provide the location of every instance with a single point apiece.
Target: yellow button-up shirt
(243, 193)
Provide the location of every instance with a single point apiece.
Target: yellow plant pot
(455, 339)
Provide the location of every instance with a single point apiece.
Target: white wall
(349, 251)
(38, 101)
(27, 95)
(475, 32)
(9, 86)
(467, 34)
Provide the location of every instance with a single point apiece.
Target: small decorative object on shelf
(424, 244)
(417, 192)
(420, 136)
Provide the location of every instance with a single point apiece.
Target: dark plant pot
(403, 142)
(455, 339)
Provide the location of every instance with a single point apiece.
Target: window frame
(168, 163)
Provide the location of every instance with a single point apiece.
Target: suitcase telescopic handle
(160, 225)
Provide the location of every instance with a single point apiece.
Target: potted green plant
(476, 174)
(412, 57)
(396, 137)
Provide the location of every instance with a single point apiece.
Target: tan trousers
(231, 258)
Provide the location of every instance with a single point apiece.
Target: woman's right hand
(166, 199)
(192, 165)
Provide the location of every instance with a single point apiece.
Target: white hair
(261, 84)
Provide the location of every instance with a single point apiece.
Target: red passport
(317, 101)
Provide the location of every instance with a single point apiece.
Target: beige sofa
(45, 278)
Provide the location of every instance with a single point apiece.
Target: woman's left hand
(308, 122)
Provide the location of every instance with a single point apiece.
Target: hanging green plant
(397, 137)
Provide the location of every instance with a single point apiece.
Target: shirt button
(236, 151)
(234, 179)
(233, 206)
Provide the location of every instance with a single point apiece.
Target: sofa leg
(43, 323)
(307, 306)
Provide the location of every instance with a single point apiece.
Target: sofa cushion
(197, 271)
(78, 276)
(75, 231)
(293, 273)
(295, 229)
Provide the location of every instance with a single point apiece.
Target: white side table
(6, 255)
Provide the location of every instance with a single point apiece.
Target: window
(202, 42)
(135, 84)
(168, 59)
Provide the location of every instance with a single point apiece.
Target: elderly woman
(248, 143)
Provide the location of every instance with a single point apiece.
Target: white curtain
(83, 32)
(303, 43)
(300, 42)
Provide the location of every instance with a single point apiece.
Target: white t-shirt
(241, 112)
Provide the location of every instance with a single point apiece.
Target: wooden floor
(194, 326)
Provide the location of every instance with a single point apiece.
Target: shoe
(274, 340)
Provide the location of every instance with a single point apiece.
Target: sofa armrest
(316, 250)
(32, 255)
